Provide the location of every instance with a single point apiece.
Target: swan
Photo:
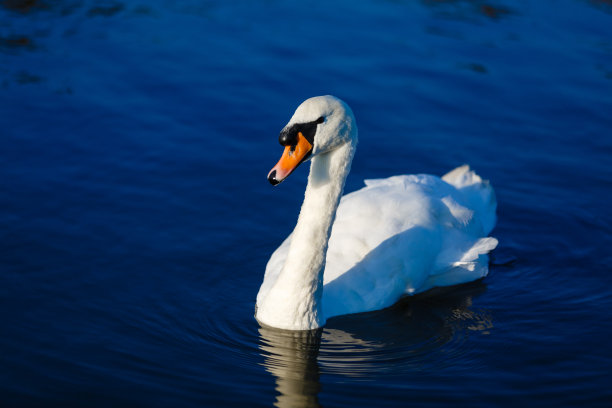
(362, 252)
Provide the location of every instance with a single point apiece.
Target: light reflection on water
(414, 335)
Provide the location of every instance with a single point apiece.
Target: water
(136, 219)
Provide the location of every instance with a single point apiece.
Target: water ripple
(416, 335)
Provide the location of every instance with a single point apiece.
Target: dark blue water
(136, 219)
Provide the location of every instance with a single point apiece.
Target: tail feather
(477, 192)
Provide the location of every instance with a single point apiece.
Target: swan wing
(406, 234)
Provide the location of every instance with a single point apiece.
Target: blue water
(136, 219)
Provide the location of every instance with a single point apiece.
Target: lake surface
(136, 219)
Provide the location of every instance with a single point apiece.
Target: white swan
(362, 252)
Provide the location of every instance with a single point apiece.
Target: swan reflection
(291, 357)
(415, 334)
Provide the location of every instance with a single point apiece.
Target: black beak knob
(288, 137)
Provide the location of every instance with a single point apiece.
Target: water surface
(136, 219)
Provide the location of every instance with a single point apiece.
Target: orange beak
(291, 158)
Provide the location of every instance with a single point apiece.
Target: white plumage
(394, 237)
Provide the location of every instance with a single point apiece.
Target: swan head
(319, 125)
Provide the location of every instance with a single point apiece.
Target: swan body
(396, 236)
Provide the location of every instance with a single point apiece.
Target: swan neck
(328, 174)
(299, 288)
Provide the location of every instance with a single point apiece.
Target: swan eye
(320, 120)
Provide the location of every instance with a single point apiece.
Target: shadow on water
(415, 335)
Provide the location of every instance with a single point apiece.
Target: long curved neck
(296, 295)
